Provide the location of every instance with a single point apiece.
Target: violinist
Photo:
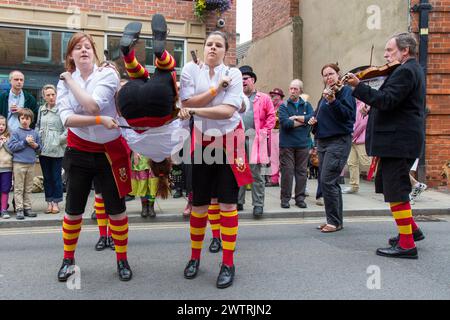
(395, 134)
(335, 116)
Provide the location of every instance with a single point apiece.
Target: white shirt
(102, 85)
(195, 80)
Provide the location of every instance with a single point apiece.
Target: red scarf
(118, 154)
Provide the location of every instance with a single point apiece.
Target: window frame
(34, 58)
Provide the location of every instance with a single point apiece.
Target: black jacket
(395, 128)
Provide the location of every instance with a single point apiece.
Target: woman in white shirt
(95, 149)
(211, 92)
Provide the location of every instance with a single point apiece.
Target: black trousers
(333, 154)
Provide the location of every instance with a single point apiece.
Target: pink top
(359, 128)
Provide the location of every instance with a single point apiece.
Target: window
(38, 45)
(175, 48)
(65, 38)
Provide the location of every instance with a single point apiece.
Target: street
(275, 259)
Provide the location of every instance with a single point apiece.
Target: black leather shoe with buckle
(417, 235)
(124, 270)
(130, 37)
(66, 270)
(191, 270)
(215, 246)
(398, 252)
(101, 243)
(226, 277)
(159, 31)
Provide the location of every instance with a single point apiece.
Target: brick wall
(171, 9)
(438, 91)
(270, 16)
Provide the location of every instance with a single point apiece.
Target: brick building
(302, 35)
(34, 33)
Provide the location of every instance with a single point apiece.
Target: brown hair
(333, 66)
(162, 170)
(6, 133)
(77, 37)
(27, 113)
(219, 33)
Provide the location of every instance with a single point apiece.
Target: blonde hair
(46, 87)
(6, 132)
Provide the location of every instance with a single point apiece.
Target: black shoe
(151, 210)
(66, 269)
(124, 270)
(215, 246)
(240, 207)
(258, 211)
(19, 215)
(191, 270)
(129, 197)
(28, 213)
(93, 215)
(110, 243)
(159, 31)
(101, 243)
(285, 205)
(418, 235)
(398, 252)
(144, 211)
(130, 37)
(271, 184)
(226, 277)
(178, 194)
(301, 204)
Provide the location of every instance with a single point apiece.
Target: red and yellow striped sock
(198, 223)
(228, 231)
(166, 62)
(102, 217)
(119, 233)
(402, 214)
(134, 69)
(214, 219)
(71, 232)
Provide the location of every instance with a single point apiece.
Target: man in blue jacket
(15, 100)
(294, 115)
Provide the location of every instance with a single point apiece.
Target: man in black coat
(395, 134)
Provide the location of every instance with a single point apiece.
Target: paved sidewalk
(364, 203)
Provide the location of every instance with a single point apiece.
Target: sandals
(130, 36)
(330, 228)
(320, 227)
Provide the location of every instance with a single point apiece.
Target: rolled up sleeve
(233, 92)
(62, 102)
(106, 88)
(187, 83)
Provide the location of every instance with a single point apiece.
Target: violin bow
(371, 55)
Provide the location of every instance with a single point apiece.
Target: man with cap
(277, 96)
(259, 120)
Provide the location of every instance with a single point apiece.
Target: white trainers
(416, 192)
(349, 190)
(5, 215)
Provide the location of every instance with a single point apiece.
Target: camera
(220, 23)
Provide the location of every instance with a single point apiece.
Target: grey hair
(299, 82)
(14, 71)
(48, 86)
(406, 40)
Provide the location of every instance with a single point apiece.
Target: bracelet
(213, 91)
(98, 120)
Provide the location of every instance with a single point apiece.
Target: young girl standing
(144, 184)
(5, 167)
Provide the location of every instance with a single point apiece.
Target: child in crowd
(6, 167)
(24, 145)
(144, 184)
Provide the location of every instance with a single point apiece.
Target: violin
(373, 72)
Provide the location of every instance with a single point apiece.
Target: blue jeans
(51, 169)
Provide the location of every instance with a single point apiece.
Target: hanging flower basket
(202, 6)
